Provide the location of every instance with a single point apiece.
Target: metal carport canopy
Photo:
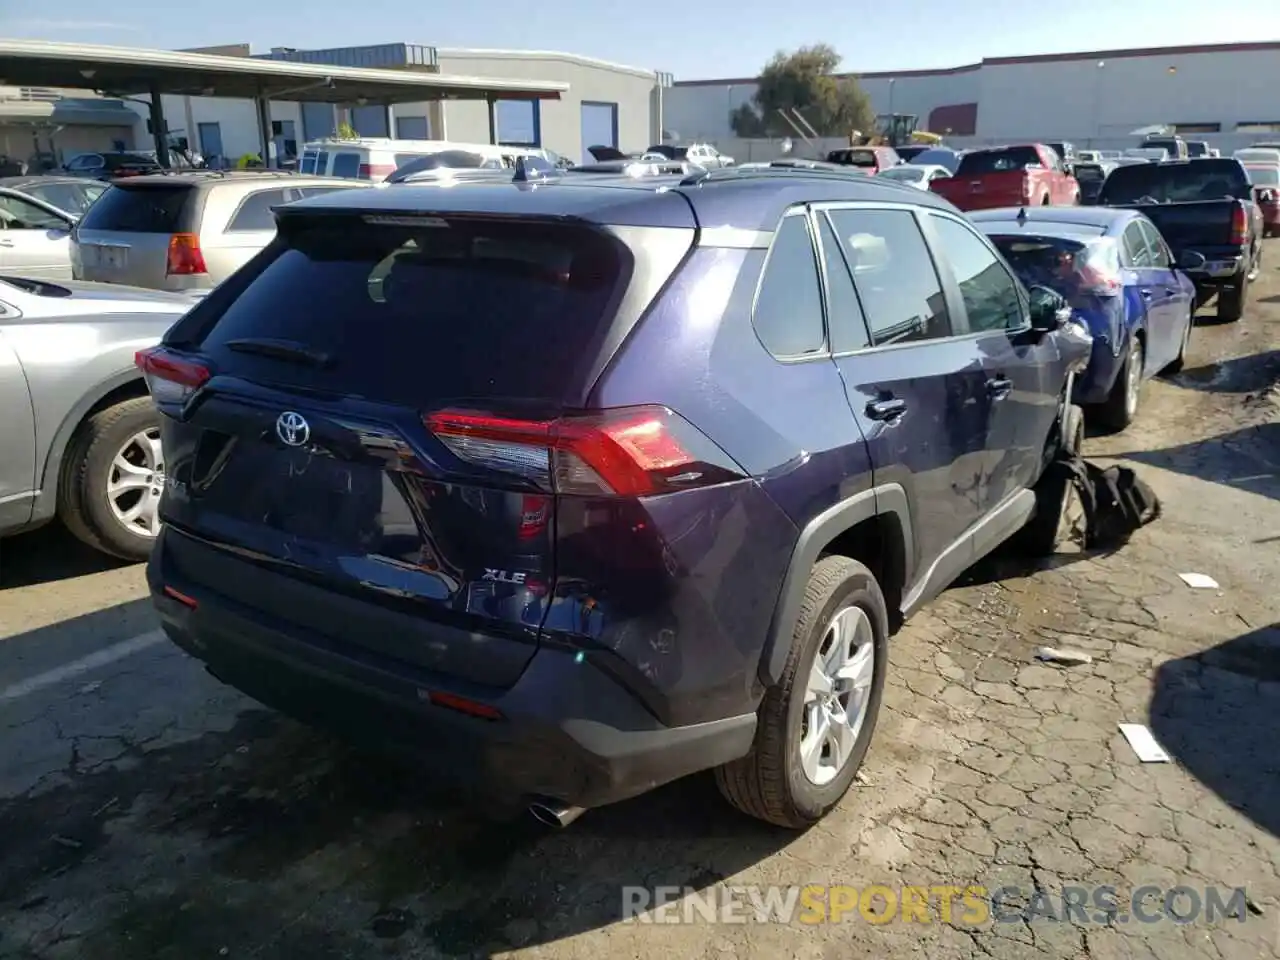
(129, 71)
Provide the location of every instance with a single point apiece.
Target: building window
(210, 141)
(317, 121)
(517, 123)
(1258, 126)
(413, 128)
(370, 120)
(1197, 128)
(599, 126)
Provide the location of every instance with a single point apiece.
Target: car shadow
(1212, 715)
(1248, 374)
(1244, 459)
(250, 803)
(48, 555)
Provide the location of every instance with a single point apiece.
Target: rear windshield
(410, 315)
(1089, 171)
(1176, 182)
(1050, 261)
(115, 160)
(140, 209)
(997, 161)
(1264, 176)
(1197, 149)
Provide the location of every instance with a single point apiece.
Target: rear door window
(161, 208)
(346, 165)
(410, 314)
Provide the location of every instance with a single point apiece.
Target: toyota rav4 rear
(395, 509)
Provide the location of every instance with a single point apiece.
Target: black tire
(1073, 431)
(1118, 411)
(770, 783)
(1045, 533)
(1180, 361)
(1231, 299)
(83, 505)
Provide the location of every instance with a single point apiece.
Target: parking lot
(148, 812)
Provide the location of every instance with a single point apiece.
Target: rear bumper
(1219, 267)
(566, 730)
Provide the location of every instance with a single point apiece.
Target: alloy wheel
(135, 483)
(838, 695)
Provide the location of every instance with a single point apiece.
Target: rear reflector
(473, 707)
(629, 452)
(170, 378)
(185, 258)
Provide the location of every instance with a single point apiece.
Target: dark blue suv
(568, 489)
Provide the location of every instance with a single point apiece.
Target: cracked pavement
(147, 812)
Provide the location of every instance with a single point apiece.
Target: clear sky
(694, 39)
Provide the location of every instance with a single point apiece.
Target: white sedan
(917, 176)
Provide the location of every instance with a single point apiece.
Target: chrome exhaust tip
(553, 813)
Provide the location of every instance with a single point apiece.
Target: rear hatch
(367, 414)
(140, 232)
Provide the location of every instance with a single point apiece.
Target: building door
(210, 140)
(599, 126)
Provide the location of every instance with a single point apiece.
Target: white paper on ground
(1143, 743)
(1201, 581)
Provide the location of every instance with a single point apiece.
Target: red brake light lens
(185, 258)
(631, 452)
(170, 378)
(1239, 225)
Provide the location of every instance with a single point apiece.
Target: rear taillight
(1239, 225)
(631, 452)
(369, 171)
(1098, 268)
(185, 257)
(171, 379)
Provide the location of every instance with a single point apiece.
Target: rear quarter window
(255, 212)
(164, 208)
(472, 311)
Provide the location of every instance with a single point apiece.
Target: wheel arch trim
(889, 498)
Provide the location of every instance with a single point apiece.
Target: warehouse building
(605, 104)
(1223, 93)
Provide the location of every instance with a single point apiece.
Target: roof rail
(787, 168)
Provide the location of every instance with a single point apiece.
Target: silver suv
(185, 231)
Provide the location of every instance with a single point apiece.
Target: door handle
(886, 409)
(999, 387)
(6, 243)
(1146, 294)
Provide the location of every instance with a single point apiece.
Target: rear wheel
(814, 727)
(1121, 406)
(1180, 360)
(113, 478)
(1231, 299)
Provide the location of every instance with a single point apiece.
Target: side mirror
(1049, 309)
(1190, 260)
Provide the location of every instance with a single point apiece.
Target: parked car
(1009, 176)
(70, 195)
(1090, 177)
(1258, 155)
(108, 166)
(1066, 151)
(1120, 277)
(80, 439)
(376, 158)
(703, 154)
(185, 231)
(938, 156)
(1175, 147)
(1088, 156)
(617, 532)
(1147, 153)
(908, 152)
(444, 165)
(914, 174)
(1265, 179)
(1204, 207)
(34, 237)
(871, 160)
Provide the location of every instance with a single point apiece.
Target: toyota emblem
(292, 429)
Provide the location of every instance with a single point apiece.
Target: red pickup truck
(1022, 175)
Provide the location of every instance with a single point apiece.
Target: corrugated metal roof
(129, 70)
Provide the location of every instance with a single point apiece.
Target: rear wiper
(281, 350)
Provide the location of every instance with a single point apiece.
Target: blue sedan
(1120, 278)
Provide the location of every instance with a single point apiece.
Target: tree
(804, 81)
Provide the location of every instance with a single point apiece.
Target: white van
(375, 158)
